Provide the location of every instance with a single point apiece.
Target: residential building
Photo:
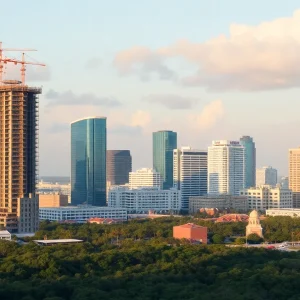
(221, 202)
(250, 160)
(145, 178)
(254, 226)
(164, 142)
(52, 200)
(283, 212)
(190, 232)
(190, 173)
(81, 213)
(267, 197)
(18, 150)
(88, 161)
(143, 200)
(5, 235)
(226, 167)
(118, 166)
(266, 175)
(294, 175)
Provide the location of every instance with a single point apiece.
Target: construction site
(19, 122)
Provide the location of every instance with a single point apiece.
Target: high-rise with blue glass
(88, 161)
(164, 142)
(250, 160)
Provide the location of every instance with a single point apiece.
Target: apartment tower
(88, 161)
(190, 173)
(164, 142)
(18, 156)
(294, 175)
(226, 167)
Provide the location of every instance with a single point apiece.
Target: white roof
(87, 118)
(58, 241)
(4, 232)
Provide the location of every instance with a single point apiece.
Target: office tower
(250, 160)
(88, 161)
(226, 167)
(284, 182)
(18, 156)
(118, 166)
(294, 175)
(164, 142)
(266, 175)
(145, 178)
(190, 173)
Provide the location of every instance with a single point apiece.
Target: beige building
(286, 212)
(52, 200)
(145, 178)
(294, 175)
(238, 203)
(266, 197)
(254, 225)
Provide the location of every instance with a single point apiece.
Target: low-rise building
(81, 213)
(143, 200)
(286, 212)
(267, 197)
(190, 232)
(52, 188)
(5, 235)
(238, 203)
(52, 200)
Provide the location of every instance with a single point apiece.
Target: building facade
(54, 188)
(250, 160)
(143, 200)
(190, 173)
(190, 232)
(254, 226)
(294, 175)
(266, 175)
(221, 202)
(52, 200)
(81, 213)
(145, 178)
(267, 197)
(284, 212)
(164, 142)
(226, 167)
(118, 167)
(18, 150)
(88, 161)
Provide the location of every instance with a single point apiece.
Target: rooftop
(4, 232)
(58, 241)
(191, 225)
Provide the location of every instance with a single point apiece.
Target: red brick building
(191, 232)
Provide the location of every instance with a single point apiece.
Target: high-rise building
(266, 175)
(145, 178)
(250, 160)
(88, 161)
(164, 142)
(118, 166)
(294, 175)
(284, 182)
(18, 156)
(190, 173)
(226, 167)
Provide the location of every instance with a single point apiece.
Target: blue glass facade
(164, 142)
(88, 162)
(250, 160)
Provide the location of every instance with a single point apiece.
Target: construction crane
(3, 61)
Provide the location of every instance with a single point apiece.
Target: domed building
(254, 224)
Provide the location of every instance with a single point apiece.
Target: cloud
(208, 117)
(93, 63)
(69, 98)
(140, 118)
(172, 101)
(261, 57)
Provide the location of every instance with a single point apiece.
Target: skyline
(135, 79)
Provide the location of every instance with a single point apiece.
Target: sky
(208, 70)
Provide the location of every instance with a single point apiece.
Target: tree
(240, 241)
(217, 239)
(253, 238)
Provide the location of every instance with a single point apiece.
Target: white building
(5, 235)
(266, 175)
(226, 167)
(145, 178)
(54, 188)
(268, 197)
(143, 200)
(285, 212)
(190, 173)
(81, 213)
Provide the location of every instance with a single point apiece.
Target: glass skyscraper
(250, 160)
(88, 161)
(164, 142)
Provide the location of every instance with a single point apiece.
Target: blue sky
(127, 60)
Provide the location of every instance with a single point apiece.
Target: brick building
(191, 232)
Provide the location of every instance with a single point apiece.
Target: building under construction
(18, 156)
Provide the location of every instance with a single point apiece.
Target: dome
(254, 214)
